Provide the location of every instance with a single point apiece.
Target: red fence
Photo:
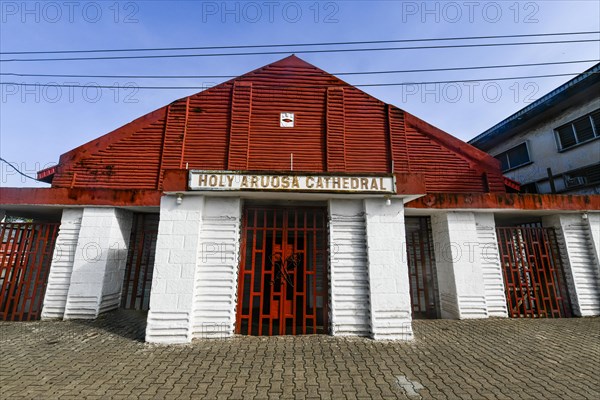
(533, 273)
(140, 262)
(421, 267)
(25, 257)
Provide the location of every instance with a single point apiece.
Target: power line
(155, 56)
(292, 87)
(18, 171)
(297, 44)
(310, 74)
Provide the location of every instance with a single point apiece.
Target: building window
(586, 176)
(515, 157)
(579, 131)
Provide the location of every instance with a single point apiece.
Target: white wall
(459, 268)
(594, 227)
(493, 279)
(348, 271)
(174, 276)
(99, 262)
(61, 268)
(215, 291)
(388, 270)
(578, 255)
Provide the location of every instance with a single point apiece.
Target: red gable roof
(236, 126)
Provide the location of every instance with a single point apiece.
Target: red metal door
(25, 256)
(140, 262)
(283, 271)
(421, 266)
(533, 273)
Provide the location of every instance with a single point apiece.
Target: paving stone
(473, 359)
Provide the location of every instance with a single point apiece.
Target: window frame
(513, 167)
(571, 124)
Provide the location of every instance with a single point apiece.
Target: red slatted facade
(235, 126)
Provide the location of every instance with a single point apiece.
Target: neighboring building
(286, 201)
(552, 145)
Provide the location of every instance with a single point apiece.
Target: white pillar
(493, 278)
(579, 261)
(388, 270)
(217, 271)
(458, 265)
(348, 273)
(61, 268)
(99, 262)
(177, 249)
(594, 227)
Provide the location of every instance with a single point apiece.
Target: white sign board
(222, 180)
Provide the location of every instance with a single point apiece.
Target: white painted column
(389, 281)
(217, 273)
(493, 279)
(348, 274)
(578, 254)
(173, 280)
(61, 268)
(594, 227)
(458, 265)
(99, 262)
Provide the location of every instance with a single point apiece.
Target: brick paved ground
(485, 359)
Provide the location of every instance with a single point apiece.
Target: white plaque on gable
(286, 120)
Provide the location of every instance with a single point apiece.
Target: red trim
(79, 197)
(511, 183)
(507, 201)
(47, 174)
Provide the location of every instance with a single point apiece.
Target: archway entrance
(283, 283)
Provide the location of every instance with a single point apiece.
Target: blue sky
(38, 124)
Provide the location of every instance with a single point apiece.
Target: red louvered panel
(398, 144)
(495, 181)
(208, 130)
(367, 148)
(443, 170)
(173, 137)
(271, 146)
(123, 164)
(241, 109)
(336, 151)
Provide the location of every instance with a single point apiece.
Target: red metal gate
(533, 273)
(283, 271)
(421, 266)
(140, 262)
(25, 258)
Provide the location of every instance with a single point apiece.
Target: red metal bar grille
(421, 266)
(283, 272)
(140, 262)
(533, 273)
(25, 258)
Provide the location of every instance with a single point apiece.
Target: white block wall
(99, 262)
(174, 277)
(493, 279)
(215, 290)
(61, 268)
(349, 276)
(576, 246)
(594, 227)
(388, 270)
(458, 264)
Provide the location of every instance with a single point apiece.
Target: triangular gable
(235, 126)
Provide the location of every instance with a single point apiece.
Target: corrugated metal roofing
(236, 126)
